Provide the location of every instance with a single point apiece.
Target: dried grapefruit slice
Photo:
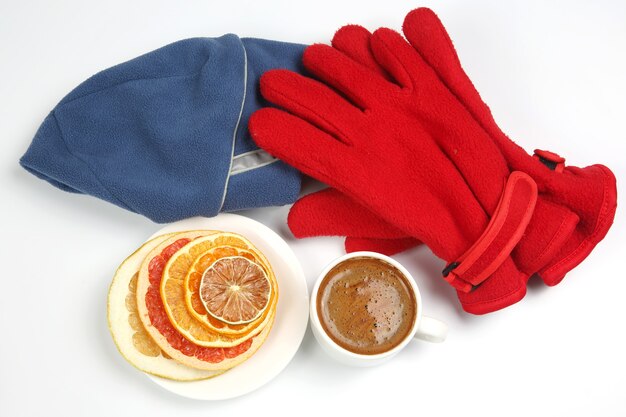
(130, 336)
(235, 290)
(173, 290)
(192, 290)
(153, 316)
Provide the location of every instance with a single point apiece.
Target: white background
(554, 75)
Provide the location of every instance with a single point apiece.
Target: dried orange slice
(173, 290)
(166, 336)
(192, 290)
(235, 290)
(129, 334)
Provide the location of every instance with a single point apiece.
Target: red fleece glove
(410, 152)
(590, 191)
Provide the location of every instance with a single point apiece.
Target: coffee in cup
(366, 305)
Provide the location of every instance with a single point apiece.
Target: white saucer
(292, 313)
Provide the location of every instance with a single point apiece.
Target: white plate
(292, 313)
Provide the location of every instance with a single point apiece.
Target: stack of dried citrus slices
(192, 305)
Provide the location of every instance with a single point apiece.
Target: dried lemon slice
(192, 290)
(235, 290)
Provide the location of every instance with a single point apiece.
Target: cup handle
(431, 330)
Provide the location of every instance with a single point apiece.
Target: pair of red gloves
(413, 155)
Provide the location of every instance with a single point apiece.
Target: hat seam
(69, 151)
(243, 101)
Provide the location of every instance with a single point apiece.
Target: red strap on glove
(504, 231)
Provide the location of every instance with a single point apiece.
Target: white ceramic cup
(424, 328)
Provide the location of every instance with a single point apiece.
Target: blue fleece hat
(165, 134)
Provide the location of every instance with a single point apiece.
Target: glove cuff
(593, 226)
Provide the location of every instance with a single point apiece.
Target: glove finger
(354, 41)
(428, 36)
(312, 101)
(360, 84)
(399, 58)
(385, 246)
(331, 213)
(301, 145)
